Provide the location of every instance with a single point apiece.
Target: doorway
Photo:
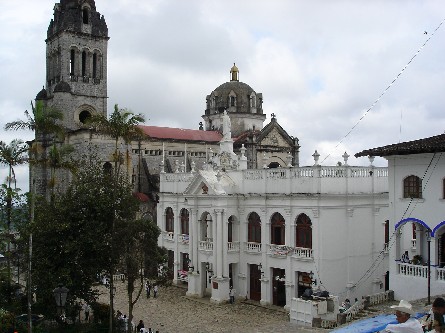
(278, 287)
(255, 283)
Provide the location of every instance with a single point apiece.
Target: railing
(279, 250)
(253, 247)
(302, 253)
(233, 246)
(333, 172)
(302, 172)
(440, 274)
(353, 311)
(183, 238)
(413, 244)
(168, 236)
(86, 79)
(276, 174)
(205, 246)
(379, 298)
(327, 324)
(412, 270)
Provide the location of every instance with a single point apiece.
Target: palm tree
(57, 159)
(122, 125)
(11, 155)
(45, 123)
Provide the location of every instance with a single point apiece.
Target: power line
(387, 88)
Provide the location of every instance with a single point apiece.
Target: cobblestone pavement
(173, 312)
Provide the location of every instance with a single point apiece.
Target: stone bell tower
(76, 62)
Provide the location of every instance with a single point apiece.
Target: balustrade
(183, 238)
(279, 250)
(302, 253)
(412, 270)
(205, 246)
(253, 247)
(413, 244)
(233, 246)
(168, 236)
(440, 274)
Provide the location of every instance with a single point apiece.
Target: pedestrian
(232, 295)
(147, 288)
(86, 310)
(140, 327)
(438, 308)
(155, 290)
(405, 258)
(405, 324)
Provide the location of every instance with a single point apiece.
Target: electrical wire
(387, 88)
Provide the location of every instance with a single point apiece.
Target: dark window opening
(184, 221)
(412, 187)
(169, 220)
(230, 230)
(277, 229)
(274, 165)
(386, 231)
(232, 100)
(303, 237)
(84, 116)
(84, 63)
(94, 65)
(85, 15)
(72, 60)
(254, 228)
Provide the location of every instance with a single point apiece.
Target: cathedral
(76, 84)
(235, 207)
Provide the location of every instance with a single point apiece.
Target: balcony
(233, 246)
(413, 244)
(440, 274)
(205, 246)
(253, 247)
(412, 270)
(302, 253)
(168, 236)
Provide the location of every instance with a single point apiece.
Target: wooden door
(255, 283)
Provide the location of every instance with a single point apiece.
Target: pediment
(206, 182)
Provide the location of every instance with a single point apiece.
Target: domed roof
(239, 88)
(62, 86)
(42, 94)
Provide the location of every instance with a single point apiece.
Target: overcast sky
(320, 65)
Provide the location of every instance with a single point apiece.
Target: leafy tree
(122, 125)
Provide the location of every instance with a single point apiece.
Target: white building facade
(417, 216)
(272, 233)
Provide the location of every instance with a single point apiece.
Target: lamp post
(60, 294)
(428, 239)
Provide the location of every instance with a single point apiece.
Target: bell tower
(76, 62)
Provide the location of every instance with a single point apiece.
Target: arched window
(169, 220)
(303, 235)
(184, 221)
(232, 100)
(94, 65)
(254, 228)
(84, 116)
(85, 15)
(277, 229)
(412, 187)
(72, 62)
(84, 63)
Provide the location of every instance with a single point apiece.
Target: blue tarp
(371, 325)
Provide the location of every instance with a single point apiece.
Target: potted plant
(417, 260)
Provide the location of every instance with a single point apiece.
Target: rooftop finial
(234, 73)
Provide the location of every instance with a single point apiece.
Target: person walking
(147, 288)
(140, 328)
(155, 291)
(232, 295)
(87, 309)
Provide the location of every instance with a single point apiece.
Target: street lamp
(428, 239)
(60, 294)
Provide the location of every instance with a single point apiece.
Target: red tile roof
(181, 134)
(142, 197)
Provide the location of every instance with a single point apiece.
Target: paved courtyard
(173, 312)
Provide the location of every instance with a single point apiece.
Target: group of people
(434, 322)
(149, 287)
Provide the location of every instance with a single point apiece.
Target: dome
(239, 88)
(62, 86)
(42, 94)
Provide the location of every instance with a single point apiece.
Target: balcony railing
(168, 236)
(303, 253)
(253, 247)
(440, 274)
(183, 238)
(233, 246)
(412, 270)
(205, 246)
(413, 244)
(386, 248)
